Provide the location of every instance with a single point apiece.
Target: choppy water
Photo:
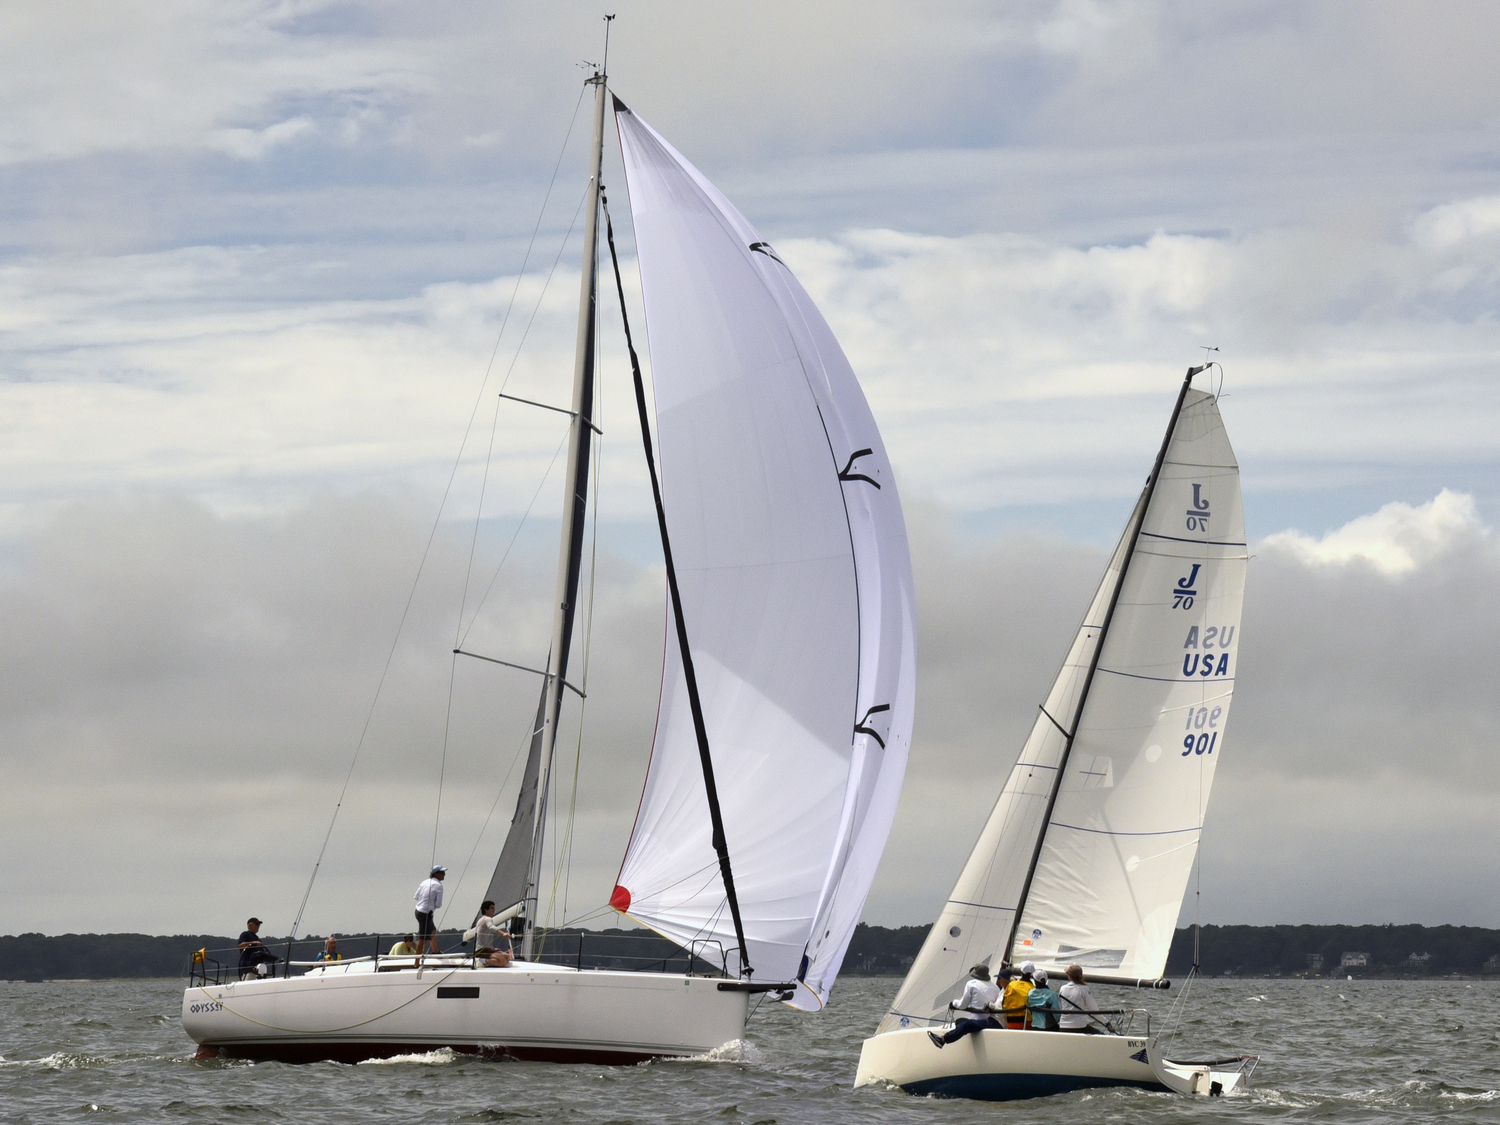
(1336, 1052)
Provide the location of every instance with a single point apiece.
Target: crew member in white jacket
(429, 897)
(488, 936)
(979, 997)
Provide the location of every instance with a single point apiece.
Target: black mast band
(721, 845)
(1114, 599)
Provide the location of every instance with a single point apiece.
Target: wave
(441, 1057)
(735, 1051)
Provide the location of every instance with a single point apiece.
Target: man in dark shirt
(252, 951)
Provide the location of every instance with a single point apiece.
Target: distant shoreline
(1388, 952)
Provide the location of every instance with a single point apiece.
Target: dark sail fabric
(508, 884)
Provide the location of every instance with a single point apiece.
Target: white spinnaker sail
(1116, 852)
(796, 584)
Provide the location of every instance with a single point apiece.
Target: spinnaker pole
(575, 502)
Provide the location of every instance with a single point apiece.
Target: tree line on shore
(1389, 950)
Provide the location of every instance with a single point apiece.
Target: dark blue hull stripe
(1013, 1087)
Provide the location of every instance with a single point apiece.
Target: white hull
(1003, 1065)
(529, 1011)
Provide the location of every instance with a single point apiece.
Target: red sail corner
(620, 899)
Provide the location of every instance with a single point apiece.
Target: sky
(264, 265)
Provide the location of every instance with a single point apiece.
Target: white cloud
(1395, 540)
(253, 144)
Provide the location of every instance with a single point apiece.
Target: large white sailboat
(1087, 854)
(787, 691)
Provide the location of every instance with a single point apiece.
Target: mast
(1083, 696)
(575, 502)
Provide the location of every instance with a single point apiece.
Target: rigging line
(526, 258)
(437, 814)
(536, 308)
(484, 484)
(588, 634)
(521, 523)
(689, 674)
(442, 504)
(526, 738)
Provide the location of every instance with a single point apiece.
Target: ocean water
(1331, 1052)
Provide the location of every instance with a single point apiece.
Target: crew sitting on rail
(1043, 1004)
(487, 936)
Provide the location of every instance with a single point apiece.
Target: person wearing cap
(252, 950)
(429, 897)
(980, 995)
(1042, 1003)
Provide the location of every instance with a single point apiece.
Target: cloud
(253, 144)
(1395, 540)
(191, 686)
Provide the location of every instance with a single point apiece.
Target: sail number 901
(1197, 719)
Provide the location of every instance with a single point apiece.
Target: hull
(544, 1013)
(1004, 1065)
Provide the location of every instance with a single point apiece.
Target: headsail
(510, 882)
(796, 586)
(1113, 858)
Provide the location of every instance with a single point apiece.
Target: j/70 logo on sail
(1186, 589)
(1197, 515)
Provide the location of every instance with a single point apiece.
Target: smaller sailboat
(1086, 856)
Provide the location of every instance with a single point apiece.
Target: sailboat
(1087, 854)
(787, 692)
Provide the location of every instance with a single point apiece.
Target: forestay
(796, 586)
(1116, 852)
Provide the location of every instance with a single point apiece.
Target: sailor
(1042, 1003)
(1013, 1000)
(330, 951)
(488, 935)
(1077, 1003)
(979, 997)
(403, 948)
(253, 952)
(429, 897)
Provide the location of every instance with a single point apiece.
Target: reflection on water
(1341, 1051)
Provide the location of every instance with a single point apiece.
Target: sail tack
(1147, 730)
(796, 587)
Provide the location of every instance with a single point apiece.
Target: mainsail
(1094, 834)
(796, 588)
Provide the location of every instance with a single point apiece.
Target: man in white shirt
(980, 995)
(1077, 1002)
(429, 897)
(488, 936)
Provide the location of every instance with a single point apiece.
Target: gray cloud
(183, 693)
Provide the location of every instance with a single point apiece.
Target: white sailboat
(1087, 853)
(786, 698)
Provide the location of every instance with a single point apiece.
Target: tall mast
(575, 502)
(1083, 696)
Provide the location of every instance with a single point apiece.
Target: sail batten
(1086, 854)
(796, 591)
